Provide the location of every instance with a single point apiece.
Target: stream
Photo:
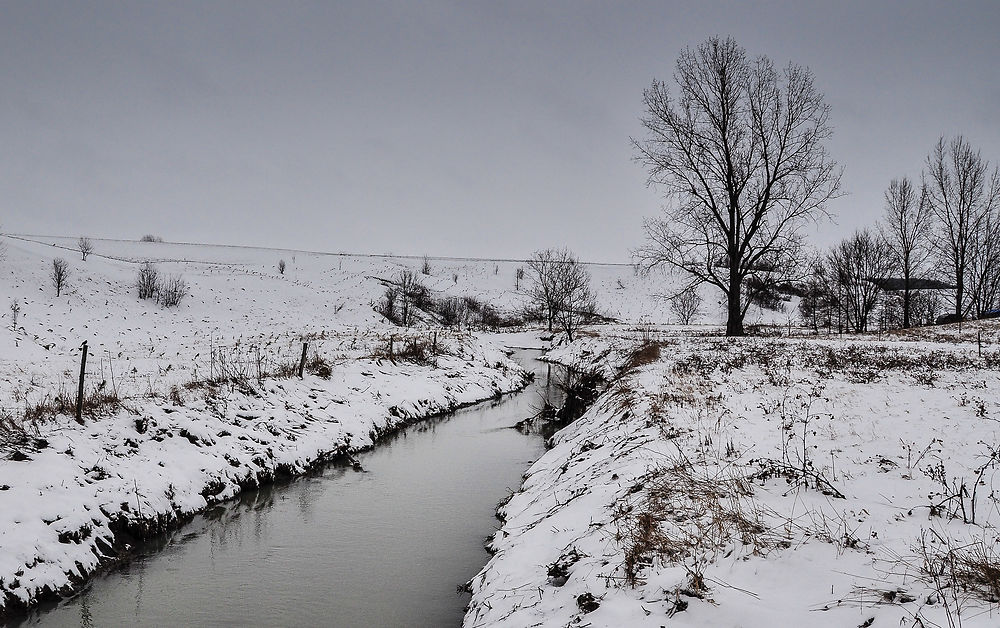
(384, 547)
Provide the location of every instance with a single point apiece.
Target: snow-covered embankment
(73, 498)
(760, 482)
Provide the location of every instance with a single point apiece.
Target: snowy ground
(761, 482)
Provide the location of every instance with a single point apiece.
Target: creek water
(384, 547)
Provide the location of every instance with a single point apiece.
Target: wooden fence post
(302, 362)
(79, 392)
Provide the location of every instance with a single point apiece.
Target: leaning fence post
(79, 392)
(302, 361)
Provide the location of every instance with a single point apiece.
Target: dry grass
(684, 514)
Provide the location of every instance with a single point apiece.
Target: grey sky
(451, 128)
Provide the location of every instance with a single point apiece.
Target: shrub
(172, 291)
(15, 311)
(148, 280)
(150, 238)
(281, 266)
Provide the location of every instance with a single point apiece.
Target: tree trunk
(959, 295)
(906, 305)
(734, 322)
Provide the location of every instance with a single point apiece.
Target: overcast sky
(447, 128)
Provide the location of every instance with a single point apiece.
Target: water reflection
(383, 547)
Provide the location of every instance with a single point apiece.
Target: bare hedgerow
(150, 238)
(148, 280)
(172, 291)
(60, 274)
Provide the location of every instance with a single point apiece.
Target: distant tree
(150, 238)
(518, 277)
(686, 305)
(560, 290)
(820, 298)
(60, 273)
(575, 303)
(984, 264)
(425, 266)
(544, 290)
(739, 149)
(86, 247)
(906, 226)
(281, 266)
(962, 193)
(859, 263)
(147, 280)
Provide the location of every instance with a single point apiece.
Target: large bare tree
(906, 225)
(739, 150)
(962, 193)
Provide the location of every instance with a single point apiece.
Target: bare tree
(984, 264)
(281, 266)
(859, 264)
(686, 305)
(425, 266)
(518, 277)
(961, 193)
(740, 152)
(86, 247)
(147, 281)
(543, 292)
(575, 303)
(906, 226)
(821, 297)
(60, 274)
(560, 290)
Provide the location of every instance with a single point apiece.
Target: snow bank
(78, 500)
(759, 482)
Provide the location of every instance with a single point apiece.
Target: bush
(150, 238)
(281, 266)
(147, 281)
(172, 292)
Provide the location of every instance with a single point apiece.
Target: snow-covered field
(754, 482)
(179, 437)
(761, 482)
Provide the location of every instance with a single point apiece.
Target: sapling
(15, 311)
